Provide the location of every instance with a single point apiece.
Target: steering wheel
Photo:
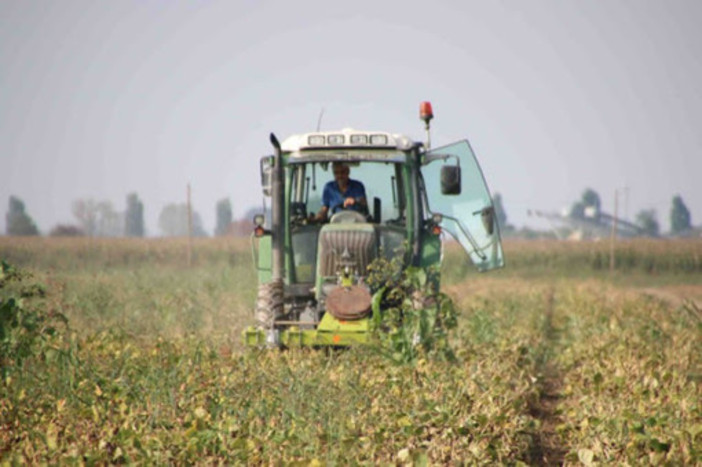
(347, 215)
(338, 206)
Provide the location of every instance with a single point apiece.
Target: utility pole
(190, 229)
(613, 238)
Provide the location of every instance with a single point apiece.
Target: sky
(100, 99)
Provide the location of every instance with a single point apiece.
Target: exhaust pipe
(277, 227)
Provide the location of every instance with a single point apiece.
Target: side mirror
(450, 180)
(488, 217)
(266, 175)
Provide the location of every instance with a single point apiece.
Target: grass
(144, 288)
(151, 369)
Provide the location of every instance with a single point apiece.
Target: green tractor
(313, 248)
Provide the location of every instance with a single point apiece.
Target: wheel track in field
(547, 448)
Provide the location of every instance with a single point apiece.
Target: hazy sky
(98, 99)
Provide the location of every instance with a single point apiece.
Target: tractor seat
(359, 240)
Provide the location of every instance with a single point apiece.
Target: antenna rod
(319, 120)
(428, 136)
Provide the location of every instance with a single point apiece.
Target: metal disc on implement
(349, 303)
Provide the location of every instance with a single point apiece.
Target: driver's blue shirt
(333, 198)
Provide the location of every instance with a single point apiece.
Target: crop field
(116, 351)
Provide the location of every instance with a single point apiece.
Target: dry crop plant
(129, 385)
(632, 375)
(116, 398)
(411, 317)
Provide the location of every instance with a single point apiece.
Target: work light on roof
(334, 140)
(316, 140)
(379, 140)
(358, 140)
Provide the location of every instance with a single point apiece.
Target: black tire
(269, 303)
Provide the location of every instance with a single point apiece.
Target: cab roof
(346, 138)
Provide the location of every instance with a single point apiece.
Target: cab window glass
(468, 216)
(381, 180)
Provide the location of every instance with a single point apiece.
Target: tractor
(312, 261)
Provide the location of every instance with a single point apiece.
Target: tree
(224, 217)
(592, 200)
(577, 211)
(110, 223)
(589, 206)
(680, 220)
(134, 217)
(85, 212)
(499, 210)
(98, 218)
(647, 220)
(17, 220)
(173, 221)
(500, 213)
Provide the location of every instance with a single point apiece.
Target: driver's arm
(359, 196)
(326, 201)
(360, 200)
(322, 214)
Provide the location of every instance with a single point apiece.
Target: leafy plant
(24, 327)
(411, 317)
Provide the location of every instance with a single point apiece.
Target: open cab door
(456, 189)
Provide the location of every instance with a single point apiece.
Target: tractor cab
(312, 267)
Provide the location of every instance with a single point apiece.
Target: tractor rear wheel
(269, 303)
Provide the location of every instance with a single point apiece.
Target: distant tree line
(96, 218)
(100, 219)
(589, 208)
(93, 218)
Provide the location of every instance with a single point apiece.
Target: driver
(342, 193)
